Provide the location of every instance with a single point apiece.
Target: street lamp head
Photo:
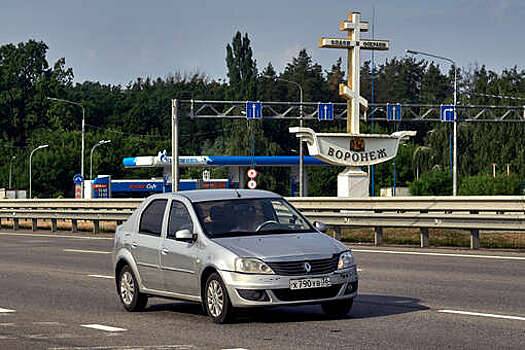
(43, 146)
(411, 52)
(267, 77)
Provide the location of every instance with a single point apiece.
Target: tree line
(136, 117)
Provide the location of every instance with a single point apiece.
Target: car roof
(218, 194)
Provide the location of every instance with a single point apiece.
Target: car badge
(307, 267)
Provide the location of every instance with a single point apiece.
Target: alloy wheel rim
(127, 288)
(215, 298)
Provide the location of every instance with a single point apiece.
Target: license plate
(307, 283)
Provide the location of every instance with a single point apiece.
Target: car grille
(286, 294)
(296, 268)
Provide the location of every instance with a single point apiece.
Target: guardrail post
(54, 226)
(74, 225)
(16, 224)
(474, 239)
(378, 237)
(424, 234)
(337, 232)
(0, 223)
(34, 225)
(96, 226)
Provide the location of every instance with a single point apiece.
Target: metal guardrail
(505, 213)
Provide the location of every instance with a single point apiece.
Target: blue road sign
(446, 113)
(253, 110)
(325, 111)
(393, 111)
(78, 179)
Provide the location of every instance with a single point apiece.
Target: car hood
(282, 247)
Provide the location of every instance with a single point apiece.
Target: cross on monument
(353, 44)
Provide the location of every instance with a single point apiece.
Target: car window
(151, 219)
(237, 217)
(180, 219)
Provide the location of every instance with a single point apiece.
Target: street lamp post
(301, 114)
(11, 171)
(83, 131)
(455, 136)
(100, 143)
(30, 170)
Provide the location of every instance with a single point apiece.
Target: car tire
(128, 291)
(338, 308)
(216, 300)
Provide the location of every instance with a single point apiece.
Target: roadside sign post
(252, 174)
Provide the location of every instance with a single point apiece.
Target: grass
(438, 237)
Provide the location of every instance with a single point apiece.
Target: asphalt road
(56, 292)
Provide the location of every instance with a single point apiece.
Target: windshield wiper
(234, 233)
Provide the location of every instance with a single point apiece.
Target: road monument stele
(352, 149)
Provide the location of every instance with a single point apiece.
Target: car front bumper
(344, 285)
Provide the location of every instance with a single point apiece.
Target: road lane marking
(47, 323)
(5, 311)
(86, 251)
(102, 276)
(128, 347)
(55, 236)
(359, 270)
(468, 313)
(101, 327)
(501, 257)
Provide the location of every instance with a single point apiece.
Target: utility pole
(174, 145)
(11, 171)
(455, 136)
(30, 168)
(83, 145)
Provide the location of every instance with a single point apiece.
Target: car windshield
(245, 217)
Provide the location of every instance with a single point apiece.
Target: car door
(178, 258)
(146, 244)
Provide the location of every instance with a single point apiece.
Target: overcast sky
(118, 41)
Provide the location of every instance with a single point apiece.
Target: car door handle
(164, 251)
(134, 245)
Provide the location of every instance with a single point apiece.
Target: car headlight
(252, 265)
(346, 260)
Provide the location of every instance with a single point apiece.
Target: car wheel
(128, 291)
(337, 308)
(216, 300)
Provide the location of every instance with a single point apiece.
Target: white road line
(359, 270)
(468, 313)
(55, 236)
(101, 327)
(47, 323)
(404, 252)
(128, 347)
(102, 276)
(5, 311)
(86, 251)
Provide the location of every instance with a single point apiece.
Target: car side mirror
(320, 226)
(184, 235)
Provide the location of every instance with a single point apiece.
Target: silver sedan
(230, 249)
